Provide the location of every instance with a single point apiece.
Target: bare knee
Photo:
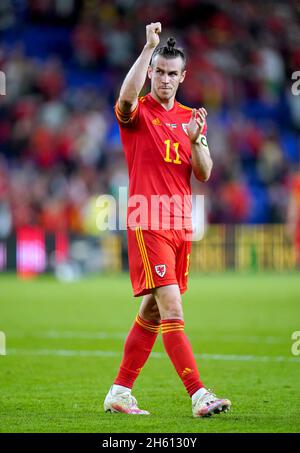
(169, 303)
(149, 310)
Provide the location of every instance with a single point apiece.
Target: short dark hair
(170, 51)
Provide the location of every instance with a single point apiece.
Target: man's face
(166, 75)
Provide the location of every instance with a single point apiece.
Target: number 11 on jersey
(168, 152)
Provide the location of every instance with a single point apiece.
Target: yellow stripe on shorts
(143, 251)
(143, 258)
(152, 285)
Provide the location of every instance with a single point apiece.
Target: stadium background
(64, 62)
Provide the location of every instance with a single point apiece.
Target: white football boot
(122, 402)
(209, 404)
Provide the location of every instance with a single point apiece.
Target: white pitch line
(61, 352)
(85, 335)
(251, 339)
(156, 355)
(80, 335)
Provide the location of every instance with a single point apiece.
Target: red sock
(180, 352)
(137, 348)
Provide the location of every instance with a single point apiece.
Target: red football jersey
(158, 154)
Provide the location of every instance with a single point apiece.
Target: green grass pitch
(64, 344)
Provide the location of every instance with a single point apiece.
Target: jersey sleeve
(128, 119)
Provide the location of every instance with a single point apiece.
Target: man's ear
(182, 77)
(150, 72)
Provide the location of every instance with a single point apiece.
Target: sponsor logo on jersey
(172, 126)
(160, 269)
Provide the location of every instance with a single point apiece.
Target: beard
(165, 95)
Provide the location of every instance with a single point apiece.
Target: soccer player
(164, 142)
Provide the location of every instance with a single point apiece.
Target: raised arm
(201, 161)
(135, 79)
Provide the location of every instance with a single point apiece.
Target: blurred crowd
(64, 63)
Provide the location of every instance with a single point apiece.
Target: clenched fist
(152, 33)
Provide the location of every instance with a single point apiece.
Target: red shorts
(158, 258)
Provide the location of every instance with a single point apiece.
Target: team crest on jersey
(184, 127)
(160, 269)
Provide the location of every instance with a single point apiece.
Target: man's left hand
(196, 124)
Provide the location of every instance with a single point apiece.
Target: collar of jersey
(159, 106)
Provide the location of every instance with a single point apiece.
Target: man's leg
(149, 310)
(139, 342)
(179, 349)
(176, 343)
(137, 348)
